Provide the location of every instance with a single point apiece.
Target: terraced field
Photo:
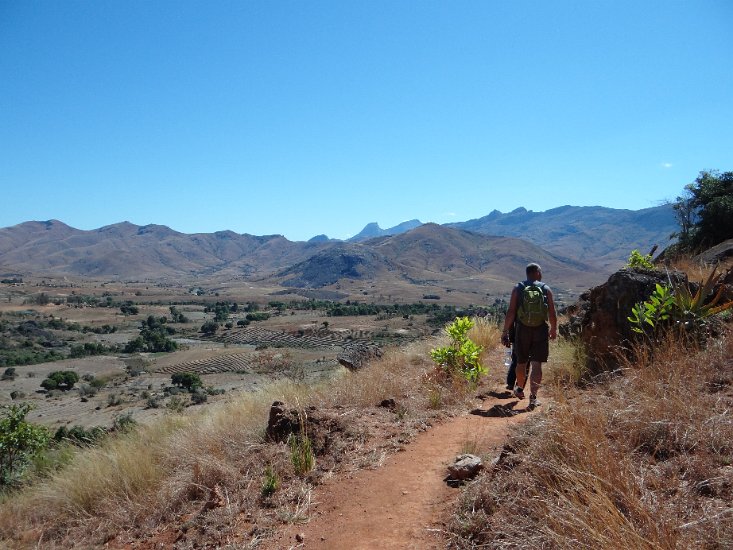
(257, 336)
(240, 362)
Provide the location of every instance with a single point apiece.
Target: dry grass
(641, 460)
(486, 334)
(207, 470)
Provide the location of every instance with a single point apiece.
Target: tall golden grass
(159, 472)
(641, 460)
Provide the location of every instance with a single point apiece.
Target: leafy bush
(123, 423)
(679, 308)
(199, 396)
(176, 404)
(258, 316)
(62, 380)
(638, 260)
(187, 380)
(78, 435)
(209, 328)
(462, 355)
(19, 442)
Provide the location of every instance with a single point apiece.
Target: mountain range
(579, 245)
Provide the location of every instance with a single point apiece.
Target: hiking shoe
(518, 392)
(533, 401)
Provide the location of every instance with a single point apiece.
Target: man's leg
(511, 375)
(521, 374)
(535, 379)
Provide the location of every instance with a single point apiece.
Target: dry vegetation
(214, 476)
(641, 459)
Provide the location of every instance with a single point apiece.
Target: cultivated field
(46, 316)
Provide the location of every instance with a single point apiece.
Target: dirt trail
(401, 504)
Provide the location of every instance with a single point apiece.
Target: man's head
(534, 272)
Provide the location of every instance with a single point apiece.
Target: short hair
(532, 269)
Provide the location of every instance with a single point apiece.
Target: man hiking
(530, 308)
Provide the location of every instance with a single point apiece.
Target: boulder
(356, 355)
(717, 254)
(464, 467)
(282, 422)
(600, 318)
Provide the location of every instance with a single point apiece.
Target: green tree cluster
(153, 337)
(177, 316)
(705, 211)
(62, 380)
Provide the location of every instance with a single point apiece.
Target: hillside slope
(593, 234)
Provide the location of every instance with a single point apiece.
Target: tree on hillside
(60, 380)
(187, 380)
(705, 211)
(153, 337)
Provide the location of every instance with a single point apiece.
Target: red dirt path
(402, 504)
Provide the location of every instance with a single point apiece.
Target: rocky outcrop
(355, 356)
(716, 254)
(599, 318)
(321, 427)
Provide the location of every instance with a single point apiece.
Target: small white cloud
(450, 214)
(666, 165)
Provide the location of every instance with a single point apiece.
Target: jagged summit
(372, 230)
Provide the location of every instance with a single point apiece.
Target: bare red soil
(402, 504)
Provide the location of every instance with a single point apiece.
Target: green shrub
(123, 423)
(677, 307)
(638, 260)
(62, 380)
(176, 404)
(462, 355)
(199, 396)
(187, 380)
(209, 328)
(20, 441)
(271, 482)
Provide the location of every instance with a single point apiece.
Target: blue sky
(303, 118)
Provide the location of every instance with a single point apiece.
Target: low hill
(438, 260)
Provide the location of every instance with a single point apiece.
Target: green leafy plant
(271, 482)
(658, 308)
(462, 355)
(692, 309)
(638, 260)
(20, 441)
(678, 306)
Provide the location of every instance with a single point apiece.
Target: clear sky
(311, 117)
